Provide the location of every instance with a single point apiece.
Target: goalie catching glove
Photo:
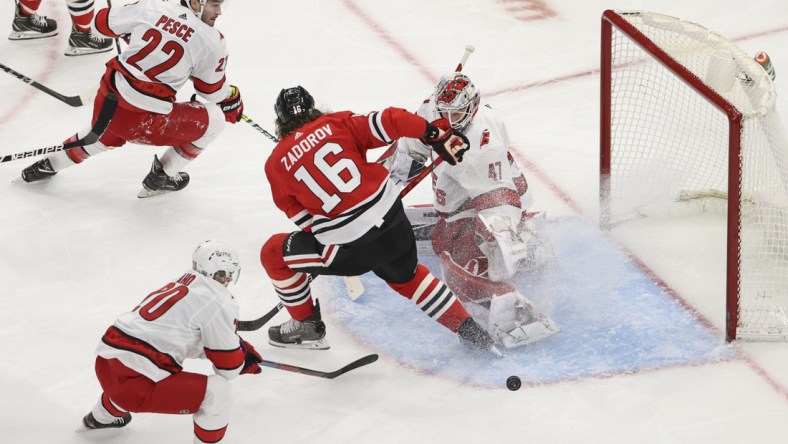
(232, 106)
(449, 144)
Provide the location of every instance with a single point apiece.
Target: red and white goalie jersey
(320, 176)
(192, 317)
(168, 45)
(487, 177)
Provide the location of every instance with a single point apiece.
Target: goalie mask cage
(687, 116)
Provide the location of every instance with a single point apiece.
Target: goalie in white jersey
(140, 357)
(483, 232)
(169, 43)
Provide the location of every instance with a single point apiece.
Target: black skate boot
(90, 422)
(38, 171)
(473, 336)
(82, 43)
(309, 333)
(158, 182)
(32, 26)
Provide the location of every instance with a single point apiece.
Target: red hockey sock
(433, 297)
(81, 12)
(27, 7)
(291, 286)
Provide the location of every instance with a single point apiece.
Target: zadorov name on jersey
(309, 142)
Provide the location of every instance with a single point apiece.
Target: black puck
(513, 383)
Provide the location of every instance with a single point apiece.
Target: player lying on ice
(350, 215)
(482, 230)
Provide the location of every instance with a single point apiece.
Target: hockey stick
(469, 49)
(259, 322)
(259, 128)
(366, 360)
(102, 121)
(74, 101)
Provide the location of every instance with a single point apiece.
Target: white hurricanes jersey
(169, 45)
(485, 173)
(191, 317)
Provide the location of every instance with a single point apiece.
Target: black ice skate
(473, 336)
(90, 422)
(33, 26)
(40, 170)
(158, 182)
(309, 333)
(82, 43)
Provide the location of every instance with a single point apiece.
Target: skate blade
(145, 193)
(71, 52)
(30, 35)
(320, 344)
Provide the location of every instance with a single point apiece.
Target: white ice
(81, 249)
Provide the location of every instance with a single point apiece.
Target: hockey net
(689, 120)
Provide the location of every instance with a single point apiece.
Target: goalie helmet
(457, 99)
(217, 261)
(293, 102)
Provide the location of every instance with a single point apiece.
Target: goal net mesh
(670, 146)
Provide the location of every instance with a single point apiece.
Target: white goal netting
(674, 142)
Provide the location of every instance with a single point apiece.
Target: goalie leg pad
(513, 322)
(503, 247)
(468, 286)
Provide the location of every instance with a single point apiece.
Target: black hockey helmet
(293, 102)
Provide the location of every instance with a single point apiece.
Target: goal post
(687, 118)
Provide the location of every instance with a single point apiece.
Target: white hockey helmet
(457, 99)
(217, 261)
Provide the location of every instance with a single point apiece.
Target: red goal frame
(611, 19)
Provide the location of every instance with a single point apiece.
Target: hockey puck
(513, 383)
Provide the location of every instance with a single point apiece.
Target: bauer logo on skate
(297, 151)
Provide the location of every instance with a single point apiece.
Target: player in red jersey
(168, 45)
(350, 215)
(140, 357)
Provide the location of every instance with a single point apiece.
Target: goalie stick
(106, 113)
(366, 360)
(74, 101)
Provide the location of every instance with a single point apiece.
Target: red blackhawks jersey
(168, 45)
(321, 179)
(191, 317)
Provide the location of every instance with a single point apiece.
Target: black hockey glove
(251, 359)
(233, 106)
(449, 144)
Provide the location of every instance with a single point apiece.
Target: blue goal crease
(613, 318)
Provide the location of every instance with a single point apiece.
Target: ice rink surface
(632, 364)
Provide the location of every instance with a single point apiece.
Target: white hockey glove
(414, 148)
(400, 164)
